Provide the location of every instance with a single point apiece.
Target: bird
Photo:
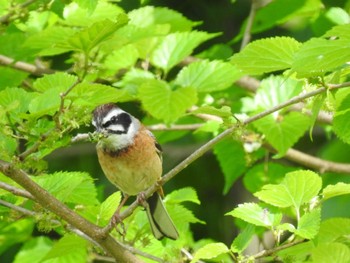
(131, 159)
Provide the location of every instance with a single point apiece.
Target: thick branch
(50, 203)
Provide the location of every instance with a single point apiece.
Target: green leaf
(335, 190)
(318, 56)
(339, 32)
(186, 194)
(149, 15)
(15, 232)
(90, 5)
(78, 17)
(164, 103)
(46, 103)
(15, 99)
(8, 147)
(210, 251)
(121, 58)
(341, 124)
(256, 215)
(34, 250)
(11, 77)
(208, 76)
(69, 248)
(50, 41)
(309, 224)
(243, 239)
(108, 208)
(264, 173)
(296, 189)
(176, 46)
(70, 187)
(60, 81)
(275, 90)
(231, 157)
(93, 94)
(283, 132)
(223, 112)
(94, 35)
(334, 229)
(266, 55)
(332, 252)
(133, 79)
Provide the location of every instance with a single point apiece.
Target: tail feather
(159, 219)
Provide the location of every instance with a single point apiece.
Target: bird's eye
(114, 120)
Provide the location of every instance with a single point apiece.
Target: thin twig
(23, 66)
(248, 28)
(16, 191)
(269, 252)
(22, 210)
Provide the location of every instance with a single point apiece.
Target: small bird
(131, 159)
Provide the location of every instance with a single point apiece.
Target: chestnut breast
(134, 168)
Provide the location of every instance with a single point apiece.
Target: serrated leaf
(318, 56)
(108, 208)
(187, 194)
(283, 132)
(256, 215)
(96, 94)
(208, 76)
(149, 15)
(133, 79)
(340, 32)
(70, 187)
(231, 157)
(69, 248)
(50, 41)
(92, 36)
(60, 80)
(8, 146)
(223, 112)
(34, 250)
(309, 224)
(243, 239)
(47, 103)
(266, 55)
(331, 252)
(176, 46)
(121, 58)
(16, 100)
(164, 103)
(334, 229)
(264, 173)
(90, 5)
(210, 251)
(341, 124)
(335, 190)
(296, 189)
(275, 90)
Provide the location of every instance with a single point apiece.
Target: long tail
(159, 219)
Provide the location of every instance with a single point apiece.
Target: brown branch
(317, 164)
(247, 31)
(49, 202)
(23, 66)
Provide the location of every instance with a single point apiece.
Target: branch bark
(50, 203)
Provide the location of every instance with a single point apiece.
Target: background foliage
(262, 83)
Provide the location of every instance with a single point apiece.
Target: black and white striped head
(118, 127)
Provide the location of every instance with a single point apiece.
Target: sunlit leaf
(309, 224)
(210, 251)
(176, 46)
(187, 194)
(297, 188)
(266, 55)
(335, 190)
(331, 252)
(34, 250)
(256, 215)
(208, 76)
(164, 103)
